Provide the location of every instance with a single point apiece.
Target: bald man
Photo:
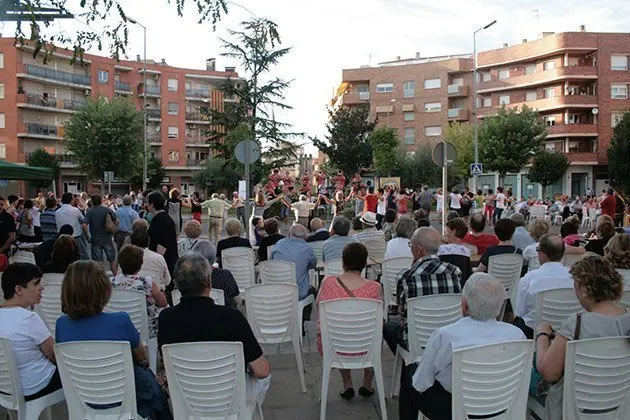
(319, 232)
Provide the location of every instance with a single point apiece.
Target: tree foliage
(106, 136)
(461, 136)
(548, 168)
(217, 176)
(155, 173)
(42, 158)
(619, 155)
(418, 168)
(347, 143)
(510, 139)
(385, 143)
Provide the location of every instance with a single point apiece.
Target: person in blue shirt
(85, 292)
(126, 216)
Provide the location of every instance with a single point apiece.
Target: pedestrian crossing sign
(476, 169)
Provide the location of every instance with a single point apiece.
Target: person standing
(195, 207)
(26, 231)
(381, 207)
(239, 204)
(215, 207)
(162, 233)
(101, 232)
(456, 201)
(48, 221)
(608, 203)
(126, 216)
(69, 214)
(7, 229)
(499, 205)
(303, 208)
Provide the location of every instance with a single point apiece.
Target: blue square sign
(476, 169)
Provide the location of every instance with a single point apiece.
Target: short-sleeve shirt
(95, 218)
(7, 226)
(144, 285)
(224, 280)
(498, 250)
(608, 205)
(180, 324)
(162, 232)
(371, 201)
(596, 325)
(106, 326)
(482, 241)
(26, 331)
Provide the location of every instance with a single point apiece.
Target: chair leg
(395, 388)
(298, 356)
(325, 379)
(378, 375)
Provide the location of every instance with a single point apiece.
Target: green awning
(12, 171)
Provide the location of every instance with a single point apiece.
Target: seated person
(273, 235)
(181, 323)
(295, 249)
(569, 231)
(521, 238)
(399, 246)
(84, 294)
(617, 252)
(598, 287)
(339, 238)
(537, 229)
(319, 232)
(130, 261)
(192, 230)
(151, 260)
(504, 229)
(476, 236)
(65, 252)
(221, 279)
(427, 386)
(389, 224)
(234, 229)
(43, 253)
(258, 229)
(456, 230)
(31, 341)
(605, 230)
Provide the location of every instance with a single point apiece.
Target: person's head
(357, 224)
(271, 226)
(518, 219)
(13, 199)
(206, 249)
(140, 224)
(420, 214)
(298, 231)
(538, 228)
(233, 227)
(482, 297)
(193, 275)
(127, 200)
(617, 251)
(130, 259)
(596, 280)
(28, 204)
(568, 228)
(155, 202)
(96, 199)
(425, 241)
(21, 283)
(51, 203)
(390, 216)
(85, 290)
(316, 224)
(605, 227)
(380, 192)
(452, 215)
(139, 237)
(405, 227)
(477, 222)
(67, 198)
(368, 220)
(165, 189)
(174, 193)
(354, 257)
(222, 196)
(340, 226)
(479, 192)
(257, 222)
(499, 189)
(550, 248)
(504, 229)
(610, 191)
(65, 251)
(192, 229)
(457, 227)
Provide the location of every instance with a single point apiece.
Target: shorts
(108, 247)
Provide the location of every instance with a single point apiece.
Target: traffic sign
(240, 151)
(4, 183)
(476, 169)
(441, 149)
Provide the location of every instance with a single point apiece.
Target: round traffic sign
(247, 151)
(440, 150)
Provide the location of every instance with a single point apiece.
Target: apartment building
(578, 81)
(36, 98)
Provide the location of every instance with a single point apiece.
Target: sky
(327, 36)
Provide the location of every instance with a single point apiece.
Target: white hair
(298, 231)
(484, 295)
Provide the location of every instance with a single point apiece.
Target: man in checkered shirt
(427, 276)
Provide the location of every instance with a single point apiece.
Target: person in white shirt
(499, 205)
(381, 207)
(69, 214)
(399, 246)
(456, 201)
(151, 261)
(551, 275)
(302, 210)
(428, 387)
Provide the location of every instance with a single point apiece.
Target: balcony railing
(457, 114)
(197, 116)
(195, 162)
(61, 158)
(152, 90)
(58, 75)
(154, 113)
(197, 139)
(581, 73)
(457, 90)
(123, 86)
(44, 129)
(198, 93)
(53, 102)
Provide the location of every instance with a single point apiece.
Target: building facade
(36, 99)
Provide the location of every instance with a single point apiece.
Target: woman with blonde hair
(192, 229)
(617, 252)
(537, 229)
(604, 230)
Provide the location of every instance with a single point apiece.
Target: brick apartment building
(36, 98)
(578, 81)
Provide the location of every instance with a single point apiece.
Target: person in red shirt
(476, 237)
(608, 204)
(371, 201)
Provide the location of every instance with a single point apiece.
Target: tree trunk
(544, 191)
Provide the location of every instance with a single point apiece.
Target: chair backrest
(49, 307)
(625, 273)
(97, 373)
(52, 279)
(376, 250)
(597, 379)
(333, 267)
(492, 379)
(318, 249)
(238, 251)
(625, 299)
(148, 272)
(533, 264)
(555, 306)
(352, 332)
(460, 261)
(22, 257)
(506, 268)
(272, 312)
(592, 213)
(11, 396)
(426, 314)
(217, 295)
(134, 303)
(391, 267)
(569, 259)
(270, 251)
(240, 262)
(537, 212)
(206, 380)
(277, 271)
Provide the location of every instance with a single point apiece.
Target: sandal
(364, 392)
(347, 394)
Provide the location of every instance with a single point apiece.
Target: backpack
(111, 226)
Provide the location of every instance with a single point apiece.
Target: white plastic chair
(589, 218)
(559, 219)
(277, 271)
(97, 373)
(625, 299)
(376, 250)
(270, 251)
(507, 269)
(555, 306)
(151, 273)
(333, 268)
(569, 259)
(391, 267)
(533, 264)
(492, 379)
(425, 314)
(318, 249)
(22, 257)
(11, 395)
(217, 295)
(207, 380)
(49, 307)
(537, 212)
(52, 279)
(272, 313)
(240, 262)
(352, 332)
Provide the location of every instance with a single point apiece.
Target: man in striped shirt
(427, 276)
(48, 220)
(339, 238)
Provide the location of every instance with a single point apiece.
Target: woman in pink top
(350, 284)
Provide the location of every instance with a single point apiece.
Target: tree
(619, 155)
(347, 144)
(106, 136)
(510, 139)
(385, 143)
(155, 173)
(216, 176)
(42, 158)
(419, 168)
(461, 136)
(548, 168)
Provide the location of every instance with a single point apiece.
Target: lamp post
(144, 105)
(475, 119)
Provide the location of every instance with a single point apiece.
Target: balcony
(455, 91)
(151, 91)
(571, 130)
(154, 114)
(548, 104)
(197, 118)
(197, 141)
(196, 163)
(122, 87)
(354, 97)
(56, 76)
(49, 103)
(198, 93)
(154, 139)
(539, 78)
(43, 131)
(457, 114)
(65, 160)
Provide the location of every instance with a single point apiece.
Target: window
(173, 108)
(549, 93)
(3, 151)
(504, 74)
(409, 89)
(615, 117)
(172, 85)
(549, 65)
(432, 84)
(2, 120)
(619, 62)
(410, 135)
(504, 100)
(487, 102)
(433, 130)
(1, 60)
(433, 107)
(574, 118)
(364, 92)
(409, 116)
(173, 132)
(103, 76)
(173, 155)
(485, 76)
(384, 87)
(550, 121)
(1, 90)
(458, 81)
(531, 96)
(619, 91)
(530, 69)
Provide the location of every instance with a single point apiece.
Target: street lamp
(475, 120)
(144, 106)
(392, 101)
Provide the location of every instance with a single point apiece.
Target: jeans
(240, 215)
(496, 215)
(392, 335)
(83, 249)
